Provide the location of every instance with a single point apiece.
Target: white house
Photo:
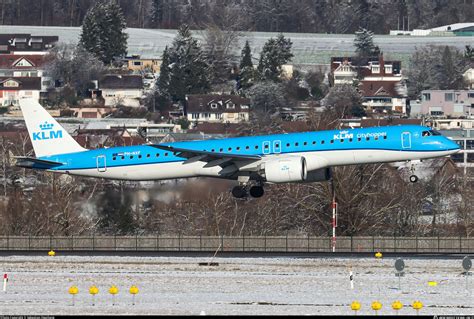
(125, 90)
(217, 108)
(12, 89)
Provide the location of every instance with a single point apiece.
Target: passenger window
(166, 154)
(368, 138)
(305, 143)
(114, 158)
(425, 133)
(287, 144)
(247, 147)
(148, 155)
(376, 138)
(256, 147)
(157, 154)
(131, 157)
(238, 148)
(266, 147)
(277, 145)
(123, 157)
(332, 141)
(230, 149)
(342, 141)
(139, 156)
(385, 137)
(322, 142)
(296, 144)
(350, 140)
(221, 150)
(314, 142)
(359, 139)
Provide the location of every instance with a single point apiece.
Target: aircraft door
(406, 140)
(277, 147)
(266, 147)
(101, 164)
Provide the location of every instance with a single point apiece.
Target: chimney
(381, 64)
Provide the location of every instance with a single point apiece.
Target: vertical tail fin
(47, 136)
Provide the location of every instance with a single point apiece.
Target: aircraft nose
(452, 146)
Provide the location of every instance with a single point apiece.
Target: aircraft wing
(212, 158)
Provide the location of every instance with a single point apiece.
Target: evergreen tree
(364, 43)
(247, 72)
(469, 53)
(164, 78)
(246, 60)
(157, 10)
(275, 53)
(103, 31)
(189, 71)
(116, 215)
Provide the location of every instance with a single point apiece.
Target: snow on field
(243, 286)
(308, 48)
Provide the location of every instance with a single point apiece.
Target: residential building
(12, 89)
(380, 82)
(465, 158)
(91, 112)
(137, 63)
(25, 43)
(26, 65)
(125, 90)
(458, 29)
(450, 124)
(217, 108)
(447, 103)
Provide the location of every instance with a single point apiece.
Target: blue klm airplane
(253, 161)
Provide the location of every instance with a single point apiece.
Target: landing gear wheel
(239, 192)
(413, 178)
(257, 191)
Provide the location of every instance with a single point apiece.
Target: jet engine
(286, 170)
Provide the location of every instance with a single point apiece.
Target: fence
(281, 244)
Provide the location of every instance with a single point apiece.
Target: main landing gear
(243, 191)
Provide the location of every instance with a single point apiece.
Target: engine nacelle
(286, 170)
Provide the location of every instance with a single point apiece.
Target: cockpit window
(430, 133)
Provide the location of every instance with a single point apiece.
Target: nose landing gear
(413, 177)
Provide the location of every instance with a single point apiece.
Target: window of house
(244, 107)
(426, 97)
(11, 84)
(137, 63)
(219, 116)
(214, 106)
(449, 97)
(230, 105)
(470, 95)
(195, 116)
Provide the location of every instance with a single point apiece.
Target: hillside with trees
(321, 16)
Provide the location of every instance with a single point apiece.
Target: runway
(263, 285)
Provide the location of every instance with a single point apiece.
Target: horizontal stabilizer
(31, 162)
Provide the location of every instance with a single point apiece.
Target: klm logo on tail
(47, 133)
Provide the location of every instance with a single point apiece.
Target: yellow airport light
(376, 306)
(93, 290)
(73, 291)
(355, 306)
(417, 305)
(397, 306)
(133, 292)
(378, 255)
(432, 283)
(113, 291)
(51, 253)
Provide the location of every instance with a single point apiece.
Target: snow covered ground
(308, 48)
(243, 286)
